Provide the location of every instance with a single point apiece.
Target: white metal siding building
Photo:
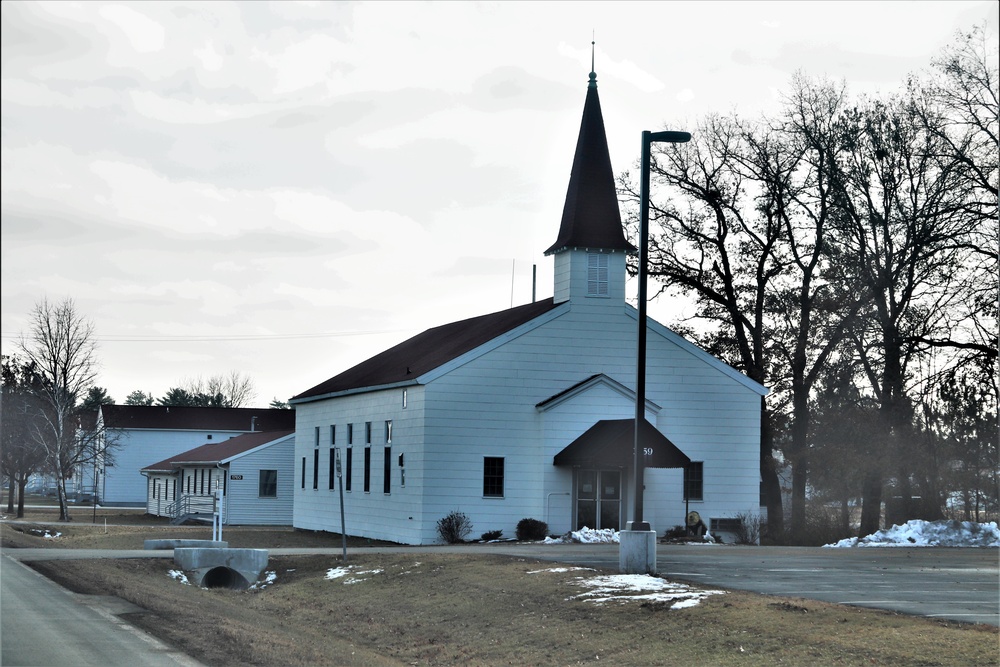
(473, 415)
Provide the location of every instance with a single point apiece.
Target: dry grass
(446, 609)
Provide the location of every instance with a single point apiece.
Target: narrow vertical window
(388, 431)
(694, 476)
(597, 274)
(350, 434)
(316, 438)
(347, 465)
(387, 471)
(368, 469)
(333, 434)
(316, 468)
(404, 399)
(493, 477)
(303, 472)
(368, 433)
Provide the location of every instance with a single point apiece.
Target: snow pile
(917, 533)
(585, 536)
(269, 578)
(179, 576)
(634, 587)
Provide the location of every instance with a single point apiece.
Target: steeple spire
(593, 71)
(591, 219)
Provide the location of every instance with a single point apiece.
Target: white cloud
(143, 33)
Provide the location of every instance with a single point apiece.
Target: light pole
(648, 138)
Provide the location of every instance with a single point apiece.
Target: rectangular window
(388, 431)
(333, 467)
(404, 399)
(316, 438)
(493, 477)
(316, 467)
(693, 481)
(368, 433)
(267, 486)
(347, 466)
(333, 434)
(303, 472)
(368, 469)
(350, 434)
(387, 471)
(597, 274)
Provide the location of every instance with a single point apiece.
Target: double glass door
(598, 499)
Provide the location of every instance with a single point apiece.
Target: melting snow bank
(585, 536)
(635, 587)
(918, 533)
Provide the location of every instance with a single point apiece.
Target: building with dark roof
(529, 412)
(248, 478)
(141, 434)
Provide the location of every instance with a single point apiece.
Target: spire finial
(593, 73)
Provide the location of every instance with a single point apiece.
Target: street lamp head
(669, 137)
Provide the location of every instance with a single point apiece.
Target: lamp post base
(637, 549)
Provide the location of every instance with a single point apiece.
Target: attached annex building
(138, 435)
(254, 472)
(528, 412)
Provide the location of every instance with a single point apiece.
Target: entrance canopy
(609, 442)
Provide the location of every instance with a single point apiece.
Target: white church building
(529, 412)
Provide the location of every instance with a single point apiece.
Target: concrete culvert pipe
(225, 577)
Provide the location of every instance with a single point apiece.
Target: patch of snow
(560, 569)
(269, 578)
(338, 572)
(585, 536)
(918, 533)
(50, 536)
(179, 576)
(641, 587)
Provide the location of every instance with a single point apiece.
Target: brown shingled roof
(203, 419)
(217, 452)
(429, 350)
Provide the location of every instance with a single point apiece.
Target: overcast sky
(284, 189)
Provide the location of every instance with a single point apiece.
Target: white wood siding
(243, 504)
(484, 405)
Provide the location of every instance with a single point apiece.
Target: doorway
(598, 498)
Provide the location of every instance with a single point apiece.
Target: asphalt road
(44, 625)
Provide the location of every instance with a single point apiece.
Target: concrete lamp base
(637, 549)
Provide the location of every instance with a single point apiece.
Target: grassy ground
(446, 609)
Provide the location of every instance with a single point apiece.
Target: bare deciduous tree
(60, 343)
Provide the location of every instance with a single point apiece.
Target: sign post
(340, 485)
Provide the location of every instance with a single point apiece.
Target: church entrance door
(598, 499)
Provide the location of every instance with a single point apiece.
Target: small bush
(675, 533)
(748, 531)
(491, 535)
(454, 528)
(532, 530)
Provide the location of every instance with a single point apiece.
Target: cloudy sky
(284, 189)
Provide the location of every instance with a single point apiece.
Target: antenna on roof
(593, 70)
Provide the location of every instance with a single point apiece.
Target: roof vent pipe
(534, 281)
(253, 424)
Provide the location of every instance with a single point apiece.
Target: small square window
(268, 484)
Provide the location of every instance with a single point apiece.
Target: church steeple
(591, 219)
